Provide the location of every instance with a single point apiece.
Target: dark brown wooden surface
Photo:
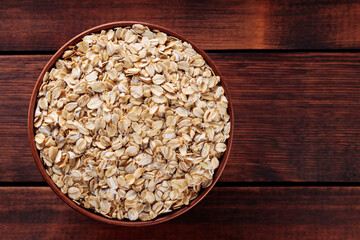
(46, 25)
(293, 69)
(297, 116)
(226, 213)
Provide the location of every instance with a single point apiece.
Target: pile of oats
(131, 123)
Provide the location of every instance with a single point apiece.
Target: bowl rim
(89, 213)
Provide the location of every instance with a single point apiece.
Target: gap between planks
(27, 53)
(221, 184)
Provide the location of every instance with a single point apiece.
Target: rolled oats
(131, 123)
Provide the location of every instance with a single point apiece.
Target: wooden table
(293, 69)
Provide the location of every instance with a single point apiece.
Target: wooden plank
(216, 24)
(226, 213)
(17, 78)
(297, 116)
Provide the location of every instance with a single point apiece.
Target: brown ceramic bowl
(91, 214)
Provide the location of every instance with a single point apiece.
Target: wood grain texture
(216, 24)
(297, 116)
(226, 213)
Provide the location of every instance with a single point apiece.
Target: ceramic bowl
(89, 213)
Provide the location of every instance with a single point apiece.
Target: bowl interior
(161, 218)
